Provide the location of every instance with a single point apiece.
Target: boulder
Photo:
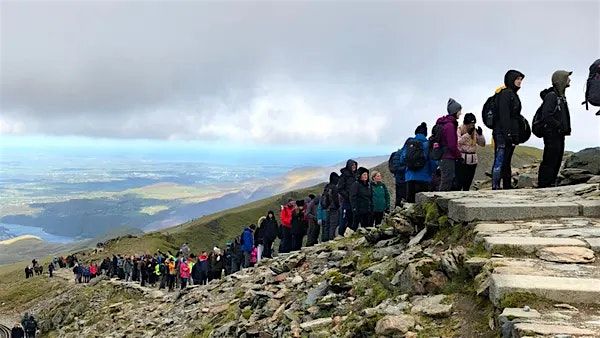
(432, 306)
(586, 159)
(393, 325)
(527, 180)
(566, 254)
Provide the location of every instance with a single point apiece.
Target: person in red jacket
(184, 273)
(449, 141)
(286, 226)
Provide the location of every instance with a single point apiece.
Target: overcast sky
(359, 74)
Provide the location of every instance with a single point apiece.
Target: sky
(311, 74)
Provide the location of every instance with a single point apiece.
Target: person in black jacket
(17, 331)
(506, 128)
(330, 202)
(361, 199)
(557, 124)
(269, 229)
(347, 178)
(299, 225)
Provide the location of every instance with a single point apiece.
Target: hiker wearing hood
(380, 196)
(330, 202)
(449, 142)
(347, 178)
(557, 124)
(361, 200)
(506, 128)
(469, 137)
(247, 241)
(311, 218)
(269, 229)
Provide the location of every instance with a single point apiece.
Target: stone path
(543, 242)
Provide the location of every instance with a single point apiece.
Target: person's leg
(460, 176)
(343, 220)
(311, 230)
(325, 229)
(469, 174)
(268, 247)
(333, 218)
(552, 155)
(410, 191)
(448, 168)
(499, 153)
(507, 168)
(378, 217)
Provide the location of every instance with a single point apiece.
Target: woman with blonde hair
(380, 197)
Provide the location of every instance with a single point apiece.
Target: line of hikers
(27, 328)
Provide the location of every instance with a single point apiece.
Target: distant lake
(8, 231)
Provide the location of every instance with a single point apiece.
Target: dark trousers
(377, 217)
(286, 240)
(448, 179)
(333, 218)
(313, 233)
(184, 283)
(464, 176)
(203, 278)
(363, 219)
(268, 250)
(400, 193)
(415, 187)
(502, 170)
(171, 282)
(554, 149)
(297, 241)
(347, 219)
(163, 281)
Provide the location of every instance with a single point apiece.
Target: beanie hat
(362, 170)
(421, 129)
(469, 118)
(453, 107)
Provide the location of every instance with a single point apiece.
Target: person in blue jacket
(248, 244)
(418, 180)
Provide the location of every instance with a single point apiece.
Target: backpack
(488, 111)
(392, 165)
(524, 130)
(538, 124)
(414, 154)
(592, 91)
(325, 200)
(436, 150)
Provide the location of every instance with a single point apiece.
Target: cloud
(280, 73)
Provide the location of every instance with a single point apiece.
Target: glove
(479, 131)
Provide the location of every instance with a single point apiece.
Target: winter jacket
(321, 213)
(361, 197)
(347, 178)
(448, 137)
(555, 113)
(426, 173)
(171, 266)
(381, 197)
(299, 225)
(200, 267)
(184, 270)
(286, 216)
(311, 210)
(247, 240)
(507, 117)
(467, 144)
(330, 198)
(217, 263)
(270, 228)
(258, 235)
(128, 266)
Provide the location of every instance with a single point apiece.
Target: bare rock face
(566, 254)
(393, 325)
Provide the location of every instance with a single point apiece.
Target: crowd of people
(27, 328)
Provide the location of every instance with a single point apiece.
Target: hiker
(216, 264)
(77, 273)
(17, 331)
(331, 203)
(449, 143)
(347, 178)
(93, 270)
(128, 268)
(556, 124)
(286, 226)
(506, 128)
(30, 327)
(200, 270)
(361, 197)
(184, 273)
(381, 198)
(592, 88)
(322, 220)
(227, 257)
(298, 226)
(469, 137)
(420, 168)
(269, 228)
(185, 250)
(247, 242)
(311, 219)
(398, 169)
(259, 239)
(50, 269)
(143, 267)
(28, 272)
(172, 273)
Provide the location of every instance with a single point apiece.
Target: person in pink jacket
(469, 138)
(184, 273)
(449, 142)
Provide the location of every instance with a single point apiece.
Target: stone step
(552, 330)
(561, 319)
(560, 289)
(490, 211)
(535, 267)
(528, 244)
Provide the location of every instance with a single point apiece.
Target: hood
(348, 166)
(270, 213)
(560, 81)
(334, 178)
(447, 119)
(545, 92)
(362, 170)
(510, 77)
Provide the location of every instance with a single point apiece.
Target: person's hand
(471, 130)
(479, 131)
(282, 207)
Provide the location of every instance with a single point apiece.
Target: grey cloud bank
(281, 73)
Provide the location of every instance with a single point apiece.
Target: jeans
(502, 170)
(554, 149)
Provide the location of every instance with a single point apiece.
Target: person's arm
(353, 195)
(387, 198)
(480, 137)
(549, 110)
(451, 140)
(504, 108)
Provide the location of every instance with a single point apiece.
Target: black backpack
(415, 154)
(524, 130)
(489, 110)
(538, 124)
(436, 150)
(391, 165)
(592, 91)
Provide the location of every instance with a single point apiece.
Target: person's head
(351, 165)
(334, 178)
(376, 176)
(513, 79)
(421, 129)
(470, 120)
(290, 202)
(454, 108)
(561, 81)
(311, 196)
(300, 204)
(270, 215)
(252, 227)
(363, 174)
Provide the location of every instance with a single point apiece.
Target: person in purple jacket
(449, 142)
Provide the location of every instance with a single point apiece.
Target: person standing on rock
(381, 198)
(247, 242)
(330, 202)
(184, 273)
(269, 228)
(361, 200)
(347, 178)
(311, 218)
(556, 120)
(128, 268)
(469, 137)
(172, 273)
(50, 269)
(298, 226)
(30, 327)
(506, 128)
(449, 142)
(17, 331)
(216, 264)
(286, 226)
(420, 168)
